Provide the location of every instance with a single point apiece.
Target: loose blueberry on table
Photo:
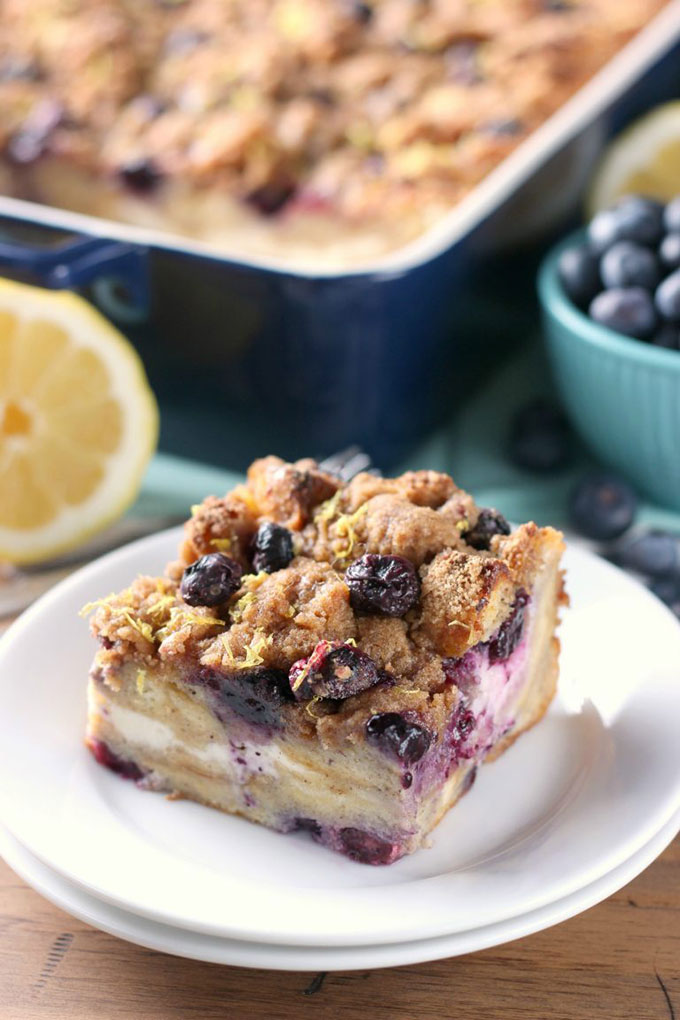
(603, 506)
(540, 438)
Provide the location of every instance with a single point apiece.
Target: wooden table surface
(619, 960)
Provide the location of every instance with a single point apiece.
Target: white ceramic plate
(168, 939)
(573, 799)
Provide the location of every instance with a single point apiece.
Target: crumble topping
(285, 620)
(285, 617)
(380, 114)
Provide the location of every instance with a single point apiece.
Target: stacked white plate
(573, 811)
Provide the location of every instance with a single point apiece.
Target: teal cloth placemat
(471, 448)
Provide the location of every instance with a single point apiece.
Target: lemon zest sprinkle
(253, 656)
(195, 507)
(459, 623)
(180, 617)
(221, 544)
(141, 626)
(141, 677)
(302, 676)
(328, 509)
(310, 705)
(161, 605)
(345, 530)
(229, 652)
(238, 609)
(91, 606)
(251, 582)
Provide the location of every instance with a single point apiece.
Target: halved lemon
(644, 160)
(78, 422)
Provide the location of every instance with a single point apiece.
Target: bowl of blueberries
(610, 297)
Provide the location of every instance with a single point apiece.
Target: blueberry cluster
(215, 577)
(627, 274)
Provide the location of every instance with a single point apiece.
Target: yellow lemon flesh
(644, 160)
(78, 422)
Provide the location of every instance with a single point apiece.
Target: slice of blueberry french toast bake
(337, 658)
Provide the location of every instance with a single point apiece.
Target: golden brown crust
(284, 618)
(464, 600)
(220, 525)
(386, 524)
(287, 493)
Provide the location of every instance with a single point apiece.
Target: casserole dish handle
(117, 273)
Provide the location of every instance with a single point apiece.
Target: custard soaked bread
(328, 657)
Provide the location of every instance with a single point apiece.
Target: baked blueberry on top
(328, 657)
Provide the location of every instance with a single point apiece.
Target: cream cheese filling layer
(239, 760)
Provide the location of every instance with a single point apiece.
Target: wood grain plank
(618, 961)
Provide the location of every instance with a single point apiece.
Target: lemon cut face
(644, 160)
(78, 422)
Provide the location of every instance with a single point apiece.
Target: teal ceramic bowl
(621, 395)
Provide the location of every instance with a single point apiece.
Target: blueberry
(256, 695)
(140, 175)
(628, 310)
(652, 552)
(333, 670)
(634, 218)
(462, 62)
(270, 198)
(211, 580)
(540, 439)
(361, 11)
(502, 127)
(603, 506)
(671, 216)
(272, 547)
(669, 251)
(627, 264)
(509, 635)
(394, 735)
(461, 672)
(33, 137)
(184, 40)
(667, 336)
(122, 766)
(579, 272)
(667, 297)
(382, 584)
(367, 849)
(668, 590)
(307, 825)
(489, 523)
(19, 68)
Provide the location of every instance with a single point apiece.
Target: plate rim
(225, 951)
(625, 848)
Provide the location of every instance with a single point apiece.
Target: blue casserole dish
(253, 356)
